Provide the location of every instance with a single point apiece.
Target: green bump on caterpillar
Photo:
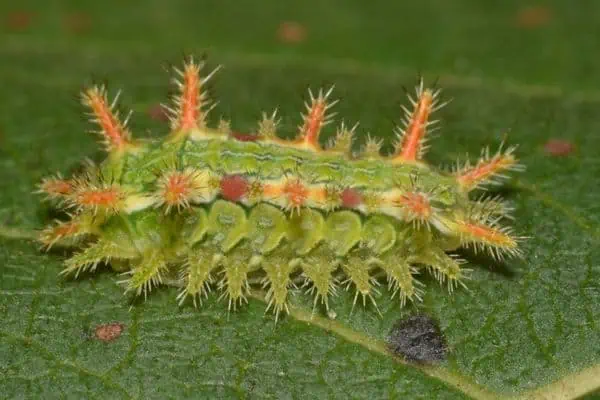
(210, 208)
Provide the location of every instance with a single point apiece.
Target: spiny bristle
(96, 253)
(234, 284)
(179, 188)
(486, 207)
(115, 135)
(278, 282)
(372, 148)
(445, 268)
(357, 272)
(401, 281)
(108, 198)
(147, 274)
(68, 232)
(267, 126)
(55, 188)
(296, 194)
(191, 105)
(197, 274)
(491, 236)
(224, 127)
(416, 206)
(488, 169)
(318, 270)
(412, 137)
(342, 143)
(315, 119)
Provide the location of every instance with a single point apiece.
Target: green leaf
(527, 329)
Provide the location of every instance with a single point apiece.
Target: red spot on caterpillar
(233, 187)
(350, 198)
(109, 332)
(557, 147)
(244, 137)
(296, 192)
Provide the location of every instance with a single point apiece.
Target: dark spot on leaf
(417, 339)
(557, 147)
(109, 332)
(291, 32)
(533, 17)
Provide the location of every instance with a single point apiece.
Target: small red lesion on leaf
(533, 17)
(291, 32)
(158, 113)
(558, 147)
(77, 22)
(109, 332)
(19, 20)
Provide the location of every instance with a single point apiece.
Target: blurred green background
(527, 71)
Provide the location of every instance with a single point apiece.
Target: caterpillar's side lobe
(218, 210)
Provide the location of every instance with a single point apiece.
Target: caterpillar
(211, 208)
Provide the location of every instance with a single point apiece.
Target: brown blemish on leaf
(19, 20)
(291, 32)
(533, 17)
(157, 113)
(558, 147)
(77, 22)
(109, 332)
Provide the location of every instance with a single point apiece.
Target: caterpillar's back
(208, 207)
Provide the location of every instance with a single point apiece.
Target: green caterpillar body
(207, 207)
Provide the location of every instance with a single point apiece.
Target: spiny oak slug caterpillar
(212, 208)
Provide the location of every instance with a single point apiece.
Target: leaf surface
(525, 329)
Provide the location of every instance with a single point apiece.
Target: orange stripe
(487, 234)
(101, 197)
(313, 123)
(189, 98)
(111, 127)
(415, 131)
(484, 170)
